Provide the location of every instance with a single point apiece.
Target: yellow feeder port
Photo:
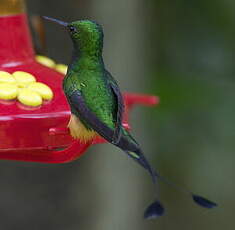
(8, 91)
(6, 77)
(61, 68)
(42, 89)
(23, 78)
(45, 61)
(29, 97)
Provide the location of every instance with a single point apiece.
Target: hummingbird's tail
(128, 144)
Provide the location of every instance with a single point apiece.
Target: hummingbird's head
(87, 36)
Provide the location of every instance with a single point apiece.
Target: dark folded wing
(119, 113)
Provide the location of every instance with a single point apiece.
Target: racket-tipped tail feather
(154, 210)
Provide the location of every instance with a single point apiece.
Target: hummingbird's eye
(72, 29)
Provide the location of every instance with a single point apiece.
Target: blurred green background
(182, 51)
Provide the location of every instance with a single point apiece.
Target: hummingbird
(97, 104)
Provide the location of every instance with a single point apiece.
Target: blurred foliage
(194, 36)
(193, 73)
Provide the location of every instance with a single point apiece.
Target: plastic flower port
(23, 86)
(46, 61)
(8, 91)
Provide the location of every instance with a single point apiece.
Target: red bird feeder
(39, 133)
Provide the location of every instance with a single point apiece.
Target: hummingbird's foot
(116, 136)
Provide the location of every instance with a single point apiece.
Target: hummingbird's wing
(119, 113)
(119, 107)
(77, 101)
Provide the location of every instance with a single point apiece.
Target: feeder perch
(39, 133)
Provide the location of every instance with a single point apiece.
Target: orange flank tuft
(79, 131)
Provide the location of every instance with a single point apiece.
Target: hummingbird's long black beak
(56, 21)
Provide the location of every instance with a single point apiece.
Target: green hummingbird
(97, 105)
